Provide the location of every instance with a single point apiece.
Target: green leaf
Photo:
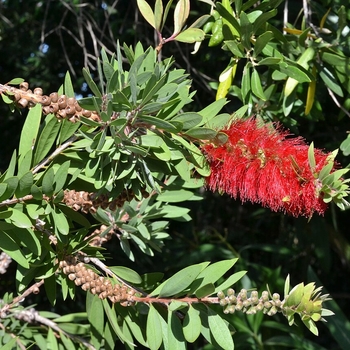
(112, 318)
(295, 72)
(329, 79)
(159, 123)
(158, 15)
(151, 140)
(206, 290)
(190, 35)
(180, 281)
(269, 61)
(36, 192)
(256, 85)
(246, 85)
(15, 81)
(95, 314)
(51, 340)
(262, 19)
(68, 86)
(175, 196)
(219, 330)
(11, 344)
(201, 133)
(345, 146)
(214, 272)
(61, 176)
(24, 185)
(47, 138)
(154, 336)
(212, 110)
(30, 130)
(181, 13)
(189, 120)
(47, 182)
(147, 12)
(261, 42)
(67, 130)
(311, 157)
(176, 340)
(192, 324)
(60, 221)
(19, 219)
(28, 239)
(50, 288)
(25, 163)
(12, 166)
(236, 48)
(11, 186)
(92, 85)
(310, 324)
(10, 247)
(126, 274)
(229, 282)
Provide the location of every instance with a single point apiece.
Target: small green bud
(232, 299)
(243, 294)
(223, 302)
(221, 294)
(239, 306)
(276, 296)
(230, 291)
(246, 303)
(272, 311)
(260, 306)
(267, 305)
(265, 295)
(254, 294)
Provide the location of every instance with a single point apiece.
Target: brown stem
(167, 301)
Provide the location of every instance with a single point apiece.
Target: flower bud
(230, 291)
(276, 296)
(221, 294)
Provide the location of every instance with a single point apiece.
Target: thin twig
(334, 98)
(55, 153)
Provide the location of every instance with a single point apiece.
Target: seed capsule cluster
(98, 240)
(90, 202)
(89, 280)
(62, 106)
(250, 305)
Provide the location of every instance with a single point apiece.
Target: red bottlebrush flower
(261, 165)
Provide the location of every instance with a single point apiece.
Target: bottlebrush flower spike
(260, 164)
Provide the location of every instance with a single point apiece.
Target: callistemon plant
(263, 164)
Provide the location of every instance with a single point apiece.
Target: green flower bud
(221, 294)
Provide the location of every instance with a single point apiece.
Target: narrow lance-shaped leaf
(30, 130)
(147, 12)
(220, 330)
(158, 15)
(181, 13)
(192, 324)
(68, 86)
(154, 336)
(256, 85)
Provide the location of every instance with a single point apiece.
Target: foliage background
(41, 40)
